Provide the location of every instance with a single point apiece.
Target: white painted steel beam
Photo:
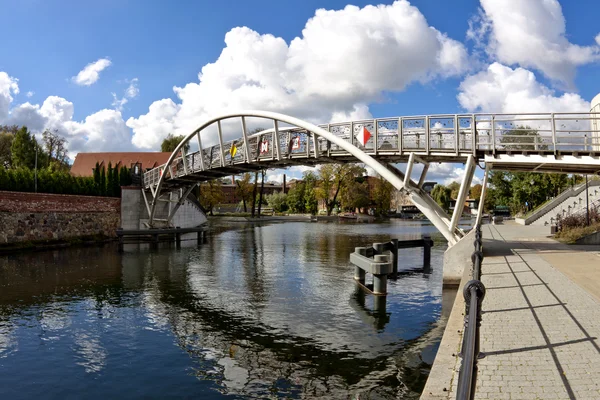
(482, 197)
(340, 142)
(463, 192)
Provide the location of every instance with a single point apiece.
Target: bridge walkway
(540, 330)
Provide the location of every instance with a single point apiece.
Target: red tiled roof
(85, 163)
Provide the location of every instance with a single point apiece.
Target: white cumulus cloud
(506, 90)
(104, 130)
(343, 60)
(130, 93)
(8, 87)
(91, 72)
(532, 34)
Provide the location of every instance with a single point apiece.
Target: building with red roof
(85, 163)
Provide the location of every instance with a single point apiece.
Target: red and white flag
(363, 136)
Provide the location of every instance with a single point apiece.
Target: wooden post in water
(177, 239)
(394, 251)
(427, 242)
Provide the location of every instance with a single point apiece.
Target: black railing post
(394, 250)
(473, 292)
(427, 242)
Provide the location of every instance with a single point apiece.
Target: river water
(263, 311)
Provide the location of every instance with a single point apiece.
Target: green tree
(169, 144)
(522, 138)
(97, 179)
(332, 177)
(116, 182)
(211, 194)
(354, 194)
(382, 195)
(277, 201)
(102, 182)
(441, 195)
(295, 197)
(109, 180)
(23, 149)
(311, 204)
(6, 140)
(124, 177)
(454, 189)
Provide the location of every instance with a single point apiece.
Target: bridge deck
(540, 329)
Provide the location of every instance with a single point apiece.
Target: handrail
(543, 209)
(473, 292)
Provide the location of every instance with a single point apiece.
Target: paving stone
(539, 329)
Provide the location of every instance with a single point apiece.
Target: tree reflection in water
(258, 311)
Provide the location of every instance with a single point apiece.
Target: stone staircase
(571, 201)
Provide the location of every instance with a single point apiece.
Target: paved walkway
(540, 330)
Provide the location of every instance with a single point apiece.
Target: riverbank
(44, 245)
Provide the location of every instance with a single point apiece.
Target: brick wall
(45, 202)
(40, 216)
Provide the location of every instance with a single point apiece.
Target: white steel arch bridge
(552, 142)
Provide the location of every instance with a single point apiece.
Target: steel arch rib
(385, 173)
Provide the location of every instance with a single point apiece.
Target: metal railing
(446, 136)
(473, 292)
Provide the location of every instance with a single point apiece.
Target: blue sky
(413, 58)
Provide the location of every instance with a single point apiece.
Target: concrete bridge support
(178, 209)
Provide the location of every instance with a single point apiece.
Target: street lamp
(532, 182)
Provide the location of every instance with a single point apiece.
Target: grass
(570, 236)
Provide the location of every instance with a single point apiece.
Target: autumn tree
(332, 177)
(244, 189)
(211, 194)
(475, 192)
(56, 148)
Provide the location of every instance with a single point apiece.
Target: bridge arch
(539, 142)
(425, 204)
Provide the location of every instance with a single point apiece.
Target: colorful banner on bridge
(363, 136)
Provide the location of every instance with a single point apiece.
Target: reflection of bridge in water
(244, 350)
(557, 142)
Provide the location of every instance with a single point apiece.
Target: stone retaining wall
(35, 216)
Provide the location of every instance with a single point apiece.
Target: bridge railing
(437, 135)
(473, 292)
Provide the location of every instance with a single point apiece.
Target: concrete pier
(541, 321)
